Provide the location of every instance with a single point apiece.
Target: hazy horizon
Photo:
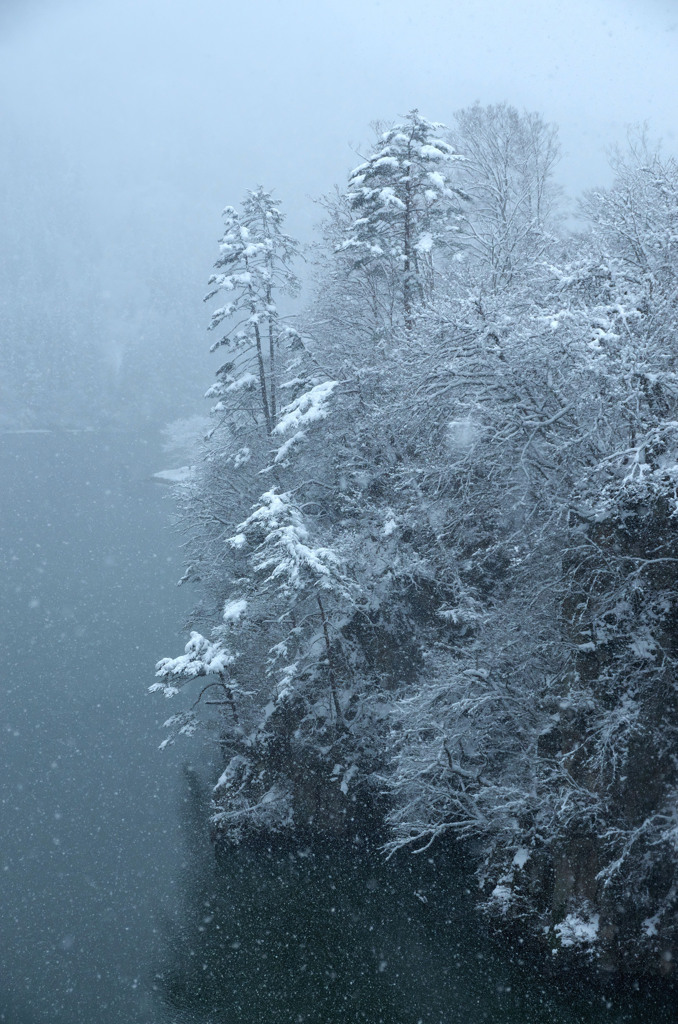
(130, 125)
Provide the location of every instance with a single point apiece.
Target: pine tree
(255, 265)
(404, 208)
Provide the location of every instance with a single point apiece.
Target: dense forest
(433, 528)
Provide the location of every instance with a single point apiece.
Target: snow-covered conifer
(404, 207)
(253, 268)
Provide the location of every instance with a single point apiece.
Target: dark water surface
(113, 906)
(89, 842)
(338, 936)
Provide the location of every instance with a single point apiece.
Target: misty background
(127, 126)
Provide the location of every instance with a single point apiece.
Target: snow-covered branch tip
(201, 658)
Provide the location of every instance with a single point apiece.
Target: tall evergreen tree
(404, 207)
(254, 266)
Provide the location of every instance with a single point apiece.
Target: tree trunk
(333, 682)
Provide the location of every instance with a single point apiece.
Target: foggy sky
(146, 117)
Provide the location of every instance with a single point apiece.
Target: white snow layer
(234, 610)
(574, 930)
(308, 407)
(521, 858)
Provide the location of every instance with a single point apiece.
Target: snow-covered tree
(555, 491)
(403, 208)
(507, 172)
(444, 563)
(624, 556)
(254, 265)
